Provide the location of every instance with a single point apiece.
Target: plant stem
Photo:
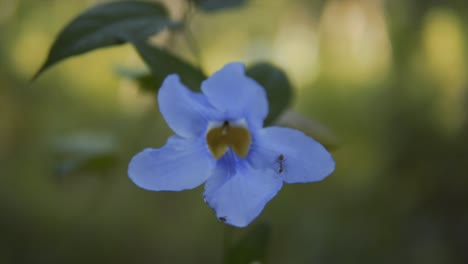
(188, 32)
(227, 242)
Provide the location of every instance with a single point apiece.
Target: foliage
(134, 22)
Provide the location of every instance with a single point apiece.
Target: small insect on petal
(222, 218)
(281, 160)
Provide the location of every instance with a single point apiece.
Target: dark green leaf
(215, 5)
(84, 153)
(252, 247)
(144, 79)
(107, 25)
(163, 63)
(97, 163)
(277, 86)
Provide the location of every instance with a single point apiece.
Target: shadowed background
(387, 78)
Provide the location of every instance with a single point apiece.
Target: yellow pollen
(220, 139)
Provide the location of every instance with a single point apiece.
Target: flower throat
(228, 134)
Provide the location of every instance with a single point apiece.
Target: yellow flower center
(234, 135)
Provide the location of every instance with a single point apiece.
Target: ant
(281, 159)
(223, 218)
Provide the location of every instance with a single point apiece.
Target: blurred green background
(388, 78)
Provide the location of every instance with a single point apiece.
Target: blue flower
(219, 139)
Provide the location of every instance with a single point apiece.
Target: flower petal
(238, 196)
(232, 92)
(187, 113)
(180, 164)
(303, 159)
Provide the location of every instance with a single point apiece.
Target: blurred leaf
(84, 153)
(144, 79)
(252, 247)
(215, 5)
(163, 63)
(107, 25)
(310, 127)
(277, 86)
(97, 163)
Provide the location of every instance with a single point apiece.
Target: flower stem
(189, 14)
(227, 242)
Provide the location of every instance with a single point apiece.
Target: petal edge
(238, 198)
(186, 112)
(303, 159)
(232, 92)
(180, 164)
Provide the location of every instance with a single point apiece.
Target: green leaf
(215, 5)
(97, 163)
(83, 154)
(252, 247)
(143, 78)
(163, 63)
(107, 25)
(277, 86)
